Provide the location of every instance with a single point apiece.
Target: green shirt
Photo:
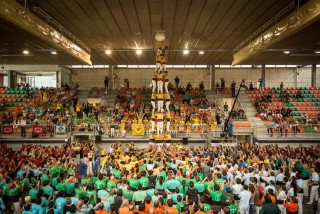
(54, 170)
(206, 207)
(139, 195)
(54, 181)
(305, 173)
(144, 182)
(79, 193)
(48, 190)
(216, 195)
(134, 183)
(70, 187)
(61, 187)
(110, 184)
(128, 194)
(90, 194)
(199, 186)
(179, 206)
(14, 191)
(219, 181)
(233, 209)
(226, 197)
(45, 177)
(83, 180)
(99, 184)
(33, 193)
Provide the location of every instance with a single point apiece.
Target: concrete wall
(88, 78)
(93, 77)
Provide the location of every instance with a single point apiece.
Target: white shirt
(280, 177)
(300, 183)
(236, 188)
(282, 195)
(270, 187)
(244, 204)
(315, 177)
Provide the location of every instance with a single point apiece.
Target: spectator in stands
(106, 82)
(233, 89)
(189, 87)
(217, 87)
(223, 83)
(281, 88)
(177, 80)
(201, 86)
(251, 88)
(261, 84)
(299, 94)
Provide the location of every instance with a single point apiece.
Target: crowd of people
(85, 178)
(281, 117)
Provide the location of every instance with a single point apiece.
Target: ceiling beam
(296, 21)
(16, 14)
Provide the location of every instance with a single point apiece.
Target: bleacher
(309, 104)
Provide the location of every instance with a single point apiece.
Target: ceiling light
(186, 52)
(286, 52)
(139, 52)
(317, 52)
(25, 52)
(108, 51)
(201, 52)
(54, 52)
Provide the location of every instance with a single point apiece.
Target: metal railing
(29, 131)
(290, 131)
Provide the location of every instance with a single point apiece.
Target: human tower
(160, 98)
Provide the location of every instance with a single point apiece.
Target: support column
(314, 75)
(111, 80)
(263, 74)
(213, 77)
(12, 79)
(1, 79)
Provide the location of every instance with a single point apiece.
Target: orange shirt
(172, 210)
(292, 207)
(101, 212)
(147, 207)
(124, 210)
(157, 210)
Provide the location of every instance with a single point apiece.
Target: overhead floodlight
(25, 52)
(108, 51)
(186, 52)
(201, 52)
(54, 52)
(139, 52)
(286, 52)
(317, 52)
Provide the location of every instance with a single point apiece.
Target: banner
(38, 130)
(138, 129)
(7, 129)
(60, 129)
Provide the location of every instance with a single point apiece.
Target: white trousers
(77, 159)
(89, 169)
(300, 201)
(168, 126)
(160, 86)
(163, 67)
(159, 127)
(154, 85)
(160, 105)
(158, 66)
(166, 86)
(306, 188)
(282, 208)
(112, 132)
(314, 196)
(152, 125)
(257, 209)
(167, 105)
(153, 103)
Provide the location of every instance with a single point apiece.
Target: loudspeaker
(185, 141)
(98, 139)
